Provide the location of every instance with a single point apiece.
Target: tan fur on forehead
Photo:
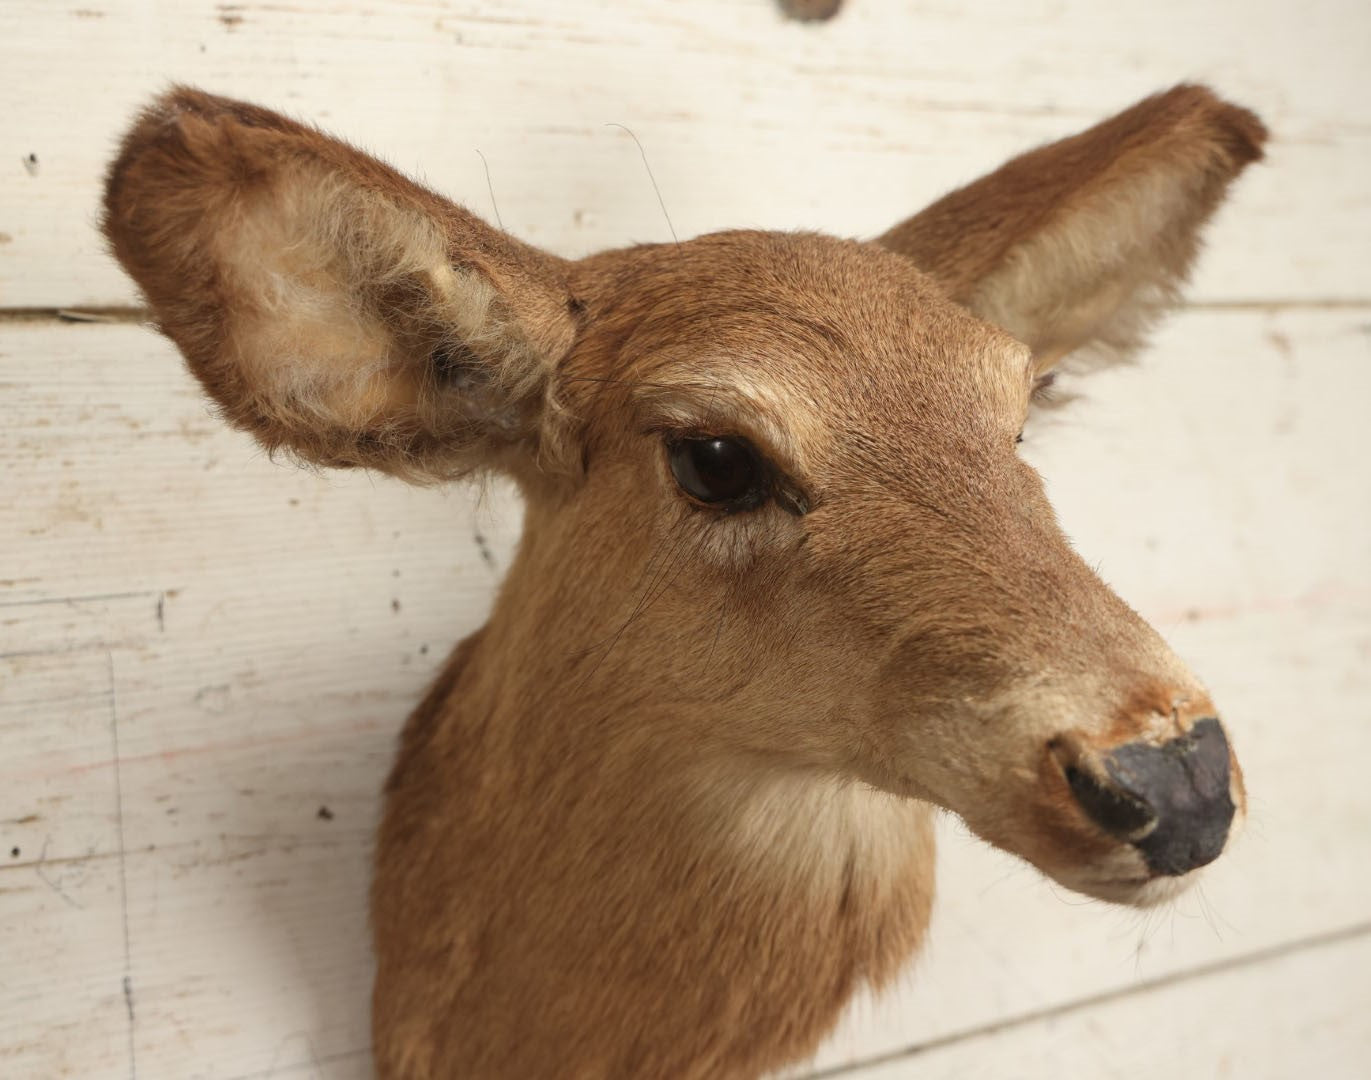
(812, 333)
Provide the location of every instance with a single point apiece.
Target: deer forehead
(805, 343)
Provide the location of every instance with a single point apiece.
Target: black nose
(1171, 801)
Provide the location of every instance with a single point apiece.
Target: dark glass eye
(718, 470)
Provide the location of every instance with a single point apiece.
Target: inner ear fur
(331, 306)
(1083, 243)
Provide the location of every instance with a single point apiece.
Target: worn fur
(672, 805)
(331, 307)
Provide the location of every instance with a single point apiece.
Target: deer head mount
(785, 584)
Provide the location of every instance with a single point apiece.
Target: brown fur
(672, 805)
(1149, 178)
(192, 176)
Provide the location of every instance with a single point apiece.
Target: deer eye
(719, 470)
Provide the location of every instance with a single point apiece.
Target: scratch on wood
(1145, 986)
(88, 599)
(25, 654)
(123, 858)
(49, 882)
(215, 698)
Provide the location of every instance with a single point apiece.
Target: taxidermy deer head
(785, 584)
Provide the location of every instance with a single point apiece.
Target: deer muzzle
(1171, 801)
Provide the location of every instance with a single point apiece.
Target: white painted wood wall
(204, 657)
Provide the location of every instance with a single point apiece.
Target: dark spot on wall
(487, 556)
(811, 10)
(395, 605)
(324, 814)
(14, 853)
(31, 164)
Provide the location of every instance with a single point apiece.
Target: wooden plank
(62, 1009)
(1268, 1021)
(749, 120)
(77, 622)
(1211, 482)
(261, 631)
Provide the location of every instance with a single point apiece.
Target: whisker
(491, 188)
(718, 629)
(647, 572)
(652, 178)
(650, 595)
(1214, 915)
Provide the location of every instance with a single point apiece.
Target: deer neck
(592, 850)
(632, 769)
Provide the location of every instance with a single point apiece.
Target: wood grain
(748, 118)
(204, 655)
(1275, 1024)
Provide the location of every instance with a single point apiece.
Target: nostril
(1116, 811)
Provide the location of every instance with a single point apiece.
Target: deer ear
(1083, 243)
(331, 306)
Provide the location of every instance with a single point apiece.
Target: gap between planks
(1147, 986)
(131, 314)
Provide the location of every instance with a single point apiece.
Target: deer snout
(1172, 801)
